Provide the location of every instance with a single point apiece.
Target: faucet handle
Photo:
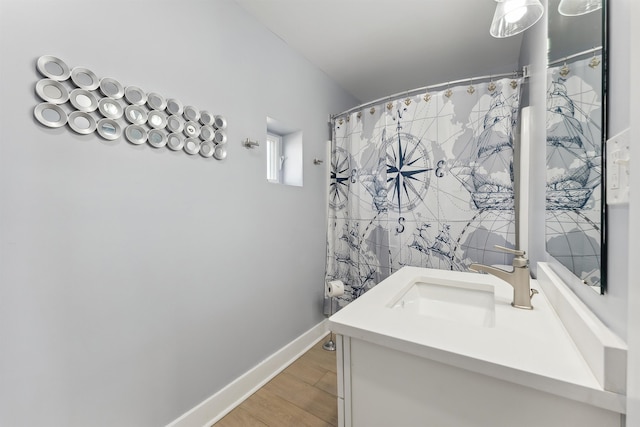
(516, 252)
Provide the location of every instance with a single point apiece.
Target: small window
(275, 160)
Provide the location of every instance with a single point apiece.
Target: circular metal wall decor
(109, 129)
(82, 122)
(220, 153)
(136, 134)
(155, 101)
(105, 106)
(83, 100)
(110, 108)
(175, 141)
(175, 123)
(191, 113)
(207, 148)
(192, 145)
(52, 67)
(135, 114)
(174, 107)
(134, 95)
(206, 118)
(207, 133)
(157, 119)
(219, 122)
(84, 78)
(52, 91)
(219, 137)
(111, 88)
(50, 115)
(191, 129)
(157, 138)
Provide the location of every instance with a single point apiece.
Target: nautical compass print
(340, 178)
(408, 168)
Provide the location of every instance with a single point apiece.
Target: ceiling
(376, 48)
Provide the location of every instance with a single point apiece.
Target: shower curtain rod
(522, 73)
(575, 55)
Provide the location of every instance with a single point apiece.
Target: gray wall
(612, 307)
(137, 282)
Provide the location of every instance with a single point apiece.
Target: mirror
(50, 115)
(52, 67)
(111, 88)
(135, 114)
(82, 122)
(175, 124)
(191, 146)
(109, 129)
(175, 141)
(52, 91)
(174, 107)
(576, 131)
(110, 108)
(191, 129)
(84, 78)
(134, 95)
(206, 118)
(155, 101)
(157, 138)
(207, 133)
(136, 134)
(157, 119)
(83, 100)
(191, 113)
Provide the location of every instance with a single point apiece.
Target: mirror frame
(604, 38)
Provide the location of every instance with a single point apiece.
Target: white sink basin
(460, 302)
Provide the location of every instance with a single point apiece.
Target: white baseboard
(221, 403)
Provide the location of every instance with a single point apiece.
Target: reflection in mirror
(84, 79)
(108, 128)
(81, 122)
(284, 153)
(83, 100)
(52, 92)
(576, 130)
(110, 88)
(54, 68)
(51, 115)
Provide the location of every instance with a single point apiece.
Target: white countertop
(527, 347)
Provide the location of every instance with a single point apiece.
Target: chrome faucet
(519, 278)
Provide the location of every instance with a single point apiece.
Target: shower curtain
(424, 180)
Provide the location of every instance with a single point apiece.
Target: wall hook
(317, 161)
(250, 144)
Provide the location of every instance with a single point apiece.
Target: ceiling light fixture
(514, 16)
(578, 7)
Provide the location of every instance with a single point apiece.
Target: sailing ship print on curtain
(574, 159)
(424, 181)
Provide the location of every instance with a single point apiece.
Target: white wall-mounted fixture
(618, 165)
(578, 7)
(515, 16)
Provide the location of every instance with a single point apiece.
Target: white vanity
(441, 348)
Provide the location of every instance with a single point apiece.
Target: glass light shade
(514, 16)
(578, 7)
